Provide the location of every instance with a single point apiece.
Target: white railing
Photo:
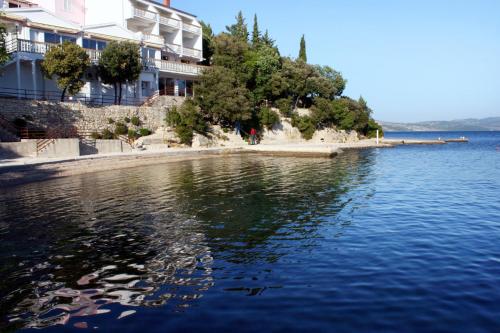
(173, 67)
(94, 55)
(188, 52)
(170, 22)
(191, 28)
(144, 14)
(153, 39)
(29, 46)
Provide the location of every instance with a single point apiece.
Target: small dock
(459, 140)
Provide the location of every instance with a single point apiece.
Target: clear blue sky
(412, 60)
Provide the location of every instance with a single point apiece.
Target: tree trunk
(116, 93)
(63, 94)
(120, 95)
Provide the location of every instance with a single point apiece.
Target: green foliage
(255, 33)
(96, 135)
(121, 129)
(186, 120)
(268, 118)
(120, 62)
(285, 106)
(111, 121)
(371, 129)
(145, 132)
(132, 134)
(222, 97)
(127, 120)
(239, 29)
(68, 63)
(208, 43)
(107, 135)
(135, 121)
(4, 56)
(302, 51)
(305, 125)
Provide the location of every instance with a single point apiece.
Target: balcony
(28, 46)
(145, 14)
(94, 55)
(173, 67)
(153, 39)
(188, 52)
(191, 28)
(170, 22)
(173, 48)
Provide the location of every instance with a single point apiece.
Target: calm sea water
(388, 240)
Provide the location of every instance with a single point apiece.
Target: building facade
(170, 41)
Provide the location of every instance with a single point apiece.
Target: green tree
(239, 29)
(302, 51)
(231, 52)
(4, 56)
(68, 63)
(186, 120)
(267, 40)
(208, 43)
(338, 82)
(120, 62)
(256, 33)
(222, 97)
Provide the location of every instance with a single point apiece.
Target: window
(93, 44)
(148, 53)
(67, 5)
(57, 39)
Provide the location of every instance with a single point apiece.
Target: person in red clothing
(253, 134)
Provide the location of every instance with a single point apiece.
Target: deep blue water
(382, 240)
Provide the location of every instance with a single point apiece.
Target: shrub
(132, 134)
(111, 121)
(305, 125)
(127, 120)
(96, 135)
(268, 118)
(186, 120)
(136, 121)
(107, 135)
(285, 106)
(144, 132)
(121, 129)
(371, 129)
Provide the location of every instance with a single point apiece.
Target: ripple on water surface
(398, 240)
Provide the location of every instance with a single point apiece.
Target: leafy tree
(68, 63)
(208, 43)
(294, 80)
(222, 97)
(229, 52)
(4, 56)
(256, 33)
(239, 29)
(120, 62)
(302, 51)
(339, 83)
(305, 125)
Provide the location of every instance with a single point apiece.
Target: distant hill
(486, 124)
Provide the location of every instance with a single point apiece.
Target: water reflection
(150, 237)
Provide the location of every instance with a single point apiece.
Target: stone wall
(84, 118)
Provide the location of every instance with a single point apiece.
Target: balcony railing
(191, 28)
(146, 14)
(173, 48)
(94, 55)
(170, 22)
(153, 39)
(173, 67)
(189, 52)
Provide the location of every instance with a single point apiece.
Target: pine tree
(239, 29)
(303, 52)
(256, 33)
(267, 40)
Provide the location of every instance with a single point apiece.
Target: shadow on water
(114, 243)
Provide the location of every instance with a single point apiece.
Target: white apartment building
(170, 40)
